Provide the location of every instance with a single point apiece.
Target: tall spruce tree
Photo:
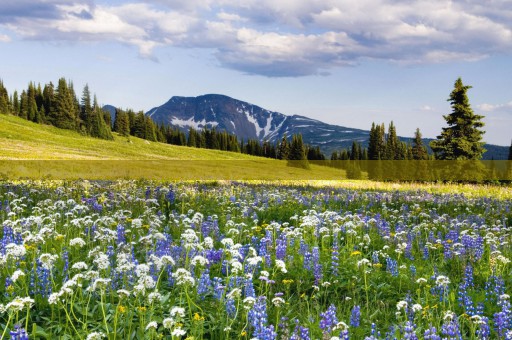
(419, 152)
(392, 144)
(297, 149)
(4, 99)
(121, 123)
(510, 152)
(462, 139)
(64, 115)
(283, 149)
(86, 110)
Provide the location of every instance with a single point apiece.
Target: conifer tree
(419, 152)
(86, 110)
(392, 143)
(4, 99)
(149, 128)
(64, 116)
(297, 150)
(462, 139)
(15, 104)
(283, 149)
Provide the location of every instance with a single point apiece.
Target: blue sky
(346, 62)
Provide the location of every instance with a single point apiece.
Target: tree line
(59, 106)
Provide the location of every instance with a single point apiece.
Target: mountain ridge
(250, 121)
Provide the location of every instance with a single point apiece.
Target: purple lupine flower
(450, 329)
(392, 266)
(121, 236)
(258, 319)
(355, 316)
(335, 261)
(281, 244)
(328, 319)
(409, 333)
(431, 334)
(18, 333)
(205, 283)
(484, 331)
(317, 266)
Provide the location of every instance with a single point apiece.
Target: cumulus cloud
(4, 38)
(507, 107)
(278, 38)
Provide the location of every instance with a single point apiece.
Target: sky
(345, 62)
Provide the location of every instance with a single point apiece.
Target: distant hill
(249, 121)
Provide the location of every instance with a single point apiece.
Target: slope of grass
(21, 139)
(31, 150)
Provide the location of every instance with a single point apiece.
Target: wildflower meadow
(153, 260)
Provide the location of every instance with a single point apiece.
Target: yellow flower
(287, 281)
(121, 309)
(59, 237)
(355, 252)
(197, 317)
(10, 289)
(244, 333)
(377, 265)
(142, 309)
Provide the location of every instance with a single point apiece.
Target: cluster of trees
(128, 123)
(385, 146)
(58, 106)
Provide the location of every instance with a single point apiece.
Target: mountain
(250, 121)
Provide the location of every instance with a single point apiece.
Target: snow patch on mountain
(192, 123)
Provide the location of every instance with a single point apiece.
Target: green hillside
(22, 139)
(32, 150)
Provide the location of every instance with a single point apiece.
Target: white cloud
(507, 107)
(279, 38)
(4, 38)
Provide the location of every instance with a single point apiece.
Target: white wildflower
(277, 301)
(47, 260)
(79, 242)
(199, 261)
(442, 281)
(168, 323)
(177, 311)
(95, 336)
(183, 277)
(79, 266)
(401, 305)
(281, 266)
(16, 275)
(152, 325)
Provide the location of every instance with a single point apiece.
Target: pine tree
(64, 116)
(283, 149)
(15, 104)
(297, 150)
(121, 123)
(149, 128)
(4, 99)
(86, 111)
(49, 99)
(462, 139)
(419, 151)
(392, 143)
